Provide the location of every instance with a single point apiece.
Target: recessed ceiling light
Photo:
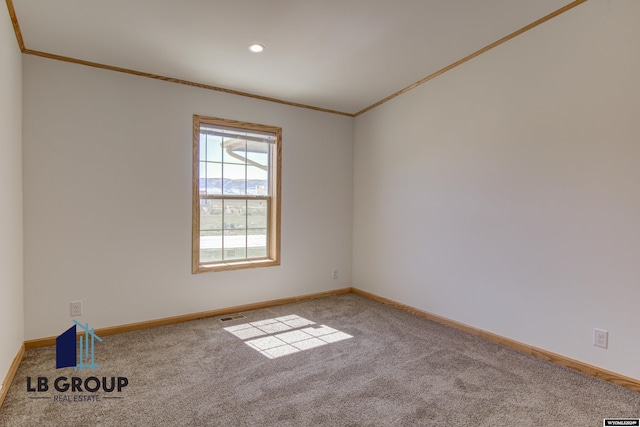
(256, 48)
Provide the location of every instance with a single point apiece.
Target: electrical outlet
(600, 338)
(334, 274)
(76, 308)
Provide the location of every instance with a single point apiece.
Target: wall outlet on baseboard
(76, 308)
(600, 338)
(334, 274)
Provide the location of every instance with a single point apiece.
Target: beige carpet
(337, 361)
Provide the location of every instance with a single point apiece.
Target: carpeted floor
(394, 369)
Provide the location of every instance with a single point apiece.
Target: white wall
(504, 194)
(107, 167)
(11, 306)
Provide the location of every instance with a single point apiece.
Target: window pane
(214, 178)
(202, 174)
(214, 150)
(257, 223)
(234, 179)
(235, 253)
(235, 215)
(210, 230)
(235, 151)
(258, 168)
(257, 242)
(211, 215)
(257, 214)
(257, 181)
(259, 155)
(260, 252)
(202, 148)
(235, 243)
(210, 246)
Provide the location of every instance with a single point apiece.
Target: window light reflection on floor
(285, 335)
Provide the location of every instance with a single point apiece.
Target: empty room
(284, 212)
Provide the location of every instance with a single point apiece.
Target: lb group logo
(78, 351)
(66, 348)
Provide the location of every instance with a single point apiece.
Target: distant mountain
(234, 186)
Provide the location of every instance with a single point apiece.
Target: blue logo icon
(67, 350)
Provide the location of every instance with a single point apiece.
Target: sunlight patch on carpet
(285, 335)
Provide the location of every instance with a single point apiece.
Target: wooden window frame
(273, 197)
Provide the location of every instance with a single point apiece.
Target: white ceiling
(341, 55)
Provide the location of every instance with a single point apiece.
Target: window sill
(236, 265)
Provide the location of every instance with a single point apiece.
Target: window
(236, 195)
